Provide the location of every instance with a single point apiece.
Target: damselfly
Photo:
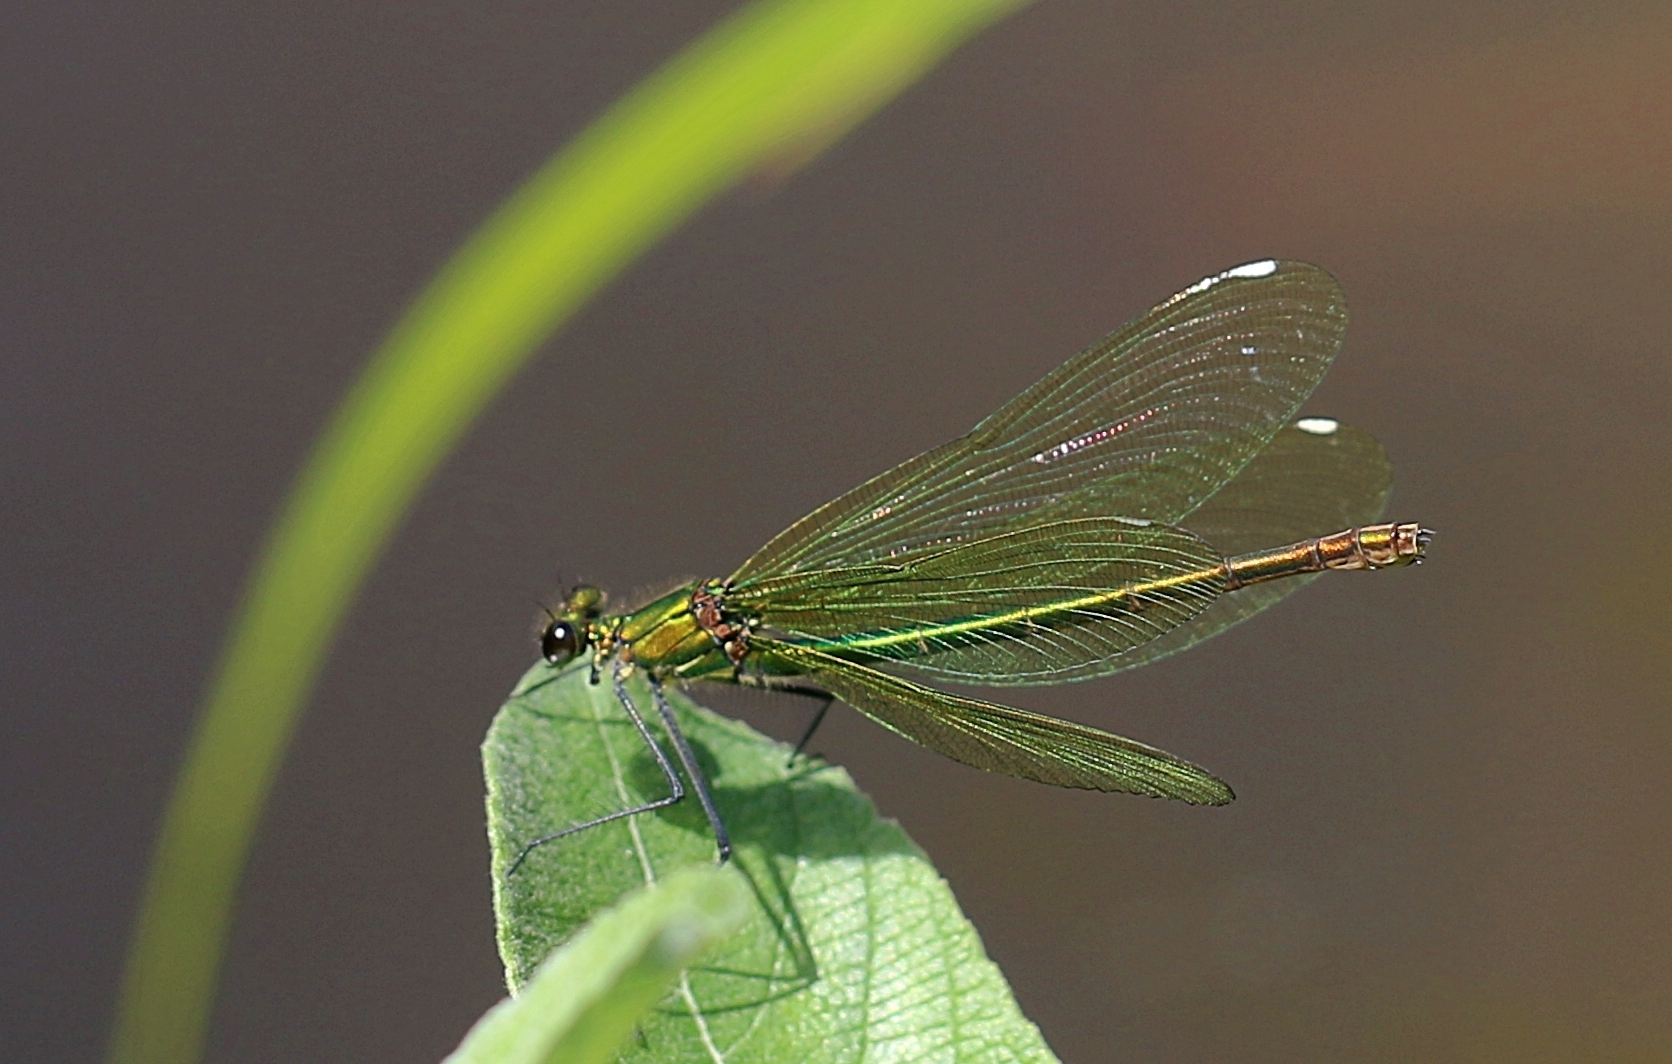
(1151, 492)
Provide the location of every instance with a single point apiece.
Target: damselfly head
(571, 631)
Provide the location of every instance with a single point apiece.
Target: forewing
(1147, 423)
(1001, 739)
(1037, 606)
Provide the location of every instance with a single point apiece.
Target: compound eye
(560, 642)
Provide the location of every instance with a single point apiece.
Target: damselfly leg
(800, 690)
(688, 758)
(676, 787)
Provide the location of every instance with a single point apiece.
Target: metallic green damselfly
(1151, 492)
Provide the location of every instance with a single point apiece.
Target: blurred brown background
(1453, 840)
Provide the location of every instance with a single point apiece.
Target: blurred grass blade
(584, 1000)
(760, 91)
(854, 948)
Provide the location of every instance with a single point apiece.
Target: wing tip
(1220, 794)
(1200, 788)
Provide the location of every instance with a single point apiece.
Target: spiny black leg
(818, 718)
(675, 787)
(790, 687)
(689, 760)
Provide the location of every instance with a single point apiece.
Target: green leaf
(855, 949)
(763, 90)
(585, 998)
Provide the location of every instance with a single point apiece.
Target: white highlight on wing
(1263, 268)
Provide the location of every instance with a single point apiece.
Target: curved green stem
(768, 87)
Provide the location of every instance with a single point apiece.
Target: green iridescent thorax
(665, 637)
